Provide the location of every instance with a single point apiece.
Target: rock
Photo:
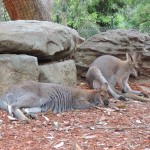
(60, 72)
(117, 43)
(17, 68)
(43, 39)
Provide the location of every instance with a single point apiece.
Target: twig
(122, 128)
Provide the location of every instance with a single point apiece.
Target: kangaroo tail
(17, 113)
(136, 97)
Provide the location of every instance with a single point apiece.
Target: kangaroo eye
(103, 93)
(140, 64)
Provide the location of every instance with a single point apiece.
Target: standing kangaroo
(37, 97)
(114, 71)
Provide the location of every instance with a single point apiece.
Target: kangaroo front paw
(122, 98)
(145, 95)
(10, 111)
(12, 118)
(32, 116)
(25, 110)
(123, 91)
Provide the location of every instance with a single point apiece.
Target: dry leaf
(138, 121)
(101, 123)
(89, 136)
(56, 125)
(46, 118)
(1, 121)
(49, 137)
(59, 145)
(77, 147)
(92, 128)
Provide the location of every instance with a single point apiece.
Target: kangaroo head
(101, 95)
(134, 62)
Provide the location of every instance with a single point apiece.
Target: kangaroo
(36, 97)
(112, 70)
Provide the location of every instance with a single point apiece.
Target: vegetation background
(92, 16)
(89, 17)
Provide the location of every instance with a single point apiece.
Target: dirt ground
(121, 126)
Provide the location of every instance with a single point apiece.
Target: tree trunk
(27, 10)
(0, 10)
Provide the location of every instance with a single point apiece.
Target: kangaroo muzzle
(106, 102)
(138, 73)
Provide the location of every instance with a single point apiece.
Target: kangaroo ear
(129, 57)
(96, 85)
(137, 56)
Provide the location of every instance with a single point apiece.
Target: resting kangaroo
(114, 71)
(37, 97)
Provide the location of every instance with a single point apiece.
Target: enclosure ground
(122, 126)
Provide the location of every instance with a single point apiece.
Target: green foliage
(3, 13)
(105, 10)
(77, 16)
(88, 16)
(138, 15)
(87, 29)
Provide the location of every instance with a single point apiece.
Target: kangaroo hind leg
(94, 73)
(25, 101)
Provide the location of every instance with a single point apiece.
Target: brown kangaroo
(37, 97)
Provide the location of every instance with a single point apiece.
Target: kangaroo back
(108, 65)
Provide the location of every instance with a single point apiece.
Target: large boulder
(117, 43)
(59, 72)
(43, 39)
(17, 68)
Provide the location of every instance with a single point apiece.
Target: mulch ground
(122, 126)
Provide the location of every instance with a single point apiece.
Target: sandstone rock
(117, 43)
(60, 72)
(43, 39)
(17, 68)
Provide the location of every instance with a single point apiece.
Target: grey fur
(112, 70)
(40, 97)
